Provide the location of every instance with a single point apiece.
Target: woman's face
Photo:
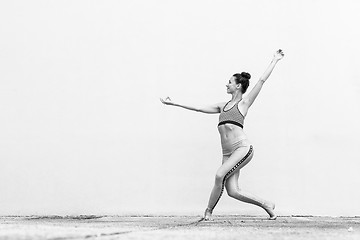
(232, 86)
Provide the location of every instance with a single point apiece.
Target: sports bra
(233, 116)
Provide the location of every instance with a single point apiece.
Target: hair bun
(245, 75)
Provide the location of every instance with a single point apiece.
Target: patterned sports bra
(233, 116)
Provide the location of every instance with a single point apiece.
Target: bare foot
(269, 208)
(207, 215)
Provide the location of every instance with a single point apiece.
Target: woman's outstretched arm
(204, 109)
(250, 98)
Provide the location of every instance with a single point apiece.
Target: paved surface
(178, 227)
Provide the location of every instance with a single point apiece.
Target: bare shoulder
(221, 105)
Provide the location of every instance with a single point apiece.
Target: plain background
(82, 130)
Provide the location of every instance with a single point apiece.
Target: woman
(236, 148)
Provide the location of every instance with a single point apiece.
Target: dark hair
(242, 78)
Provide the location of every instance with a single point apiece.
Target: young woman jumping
(237, 149)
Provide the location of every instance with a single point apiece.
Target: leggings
(229, 173)
(229, 148)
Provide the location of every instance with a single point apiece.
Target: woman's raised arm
(250, 98)
(204, 109)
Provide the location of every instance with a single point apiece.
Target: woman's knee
(233, 192)
(219, 178)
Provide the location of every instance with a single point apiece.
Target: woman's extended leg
(233, 190)
(237, 160)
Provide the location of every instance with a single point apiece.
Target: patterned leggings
(229, 173)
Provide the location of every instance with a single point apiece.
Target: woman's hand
(167, 101)
(278, 55)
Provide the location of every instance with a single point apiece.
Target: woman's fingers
(166, 101)
(280, 51)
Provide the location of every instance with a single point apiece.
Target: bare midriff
(231, 133)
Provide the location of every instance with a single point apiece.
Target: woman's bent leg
(237, 160)
(233, 190)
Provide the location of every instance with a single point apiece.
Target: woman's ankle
(208, 214)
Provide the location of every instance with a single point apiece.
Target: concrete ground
(178, 227)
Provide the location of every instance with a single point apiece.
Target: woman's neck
(236, 96)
